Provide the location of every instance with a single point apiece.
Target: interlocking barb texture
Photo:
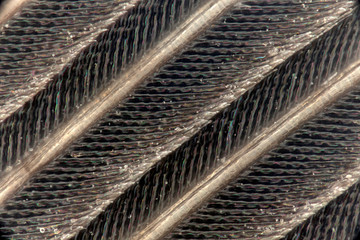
(233, 80)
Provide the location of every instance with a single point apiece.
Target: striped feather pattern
(277, 188)
(182, 122)
(103, 59)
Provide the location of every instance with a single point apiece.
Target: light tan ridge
(9, 8)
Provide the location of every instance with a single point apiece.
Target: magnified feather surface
(202, 84)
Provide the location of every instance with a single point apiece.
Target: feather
(157, 109)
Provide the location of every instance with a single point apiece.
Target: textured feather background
(225, 87)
